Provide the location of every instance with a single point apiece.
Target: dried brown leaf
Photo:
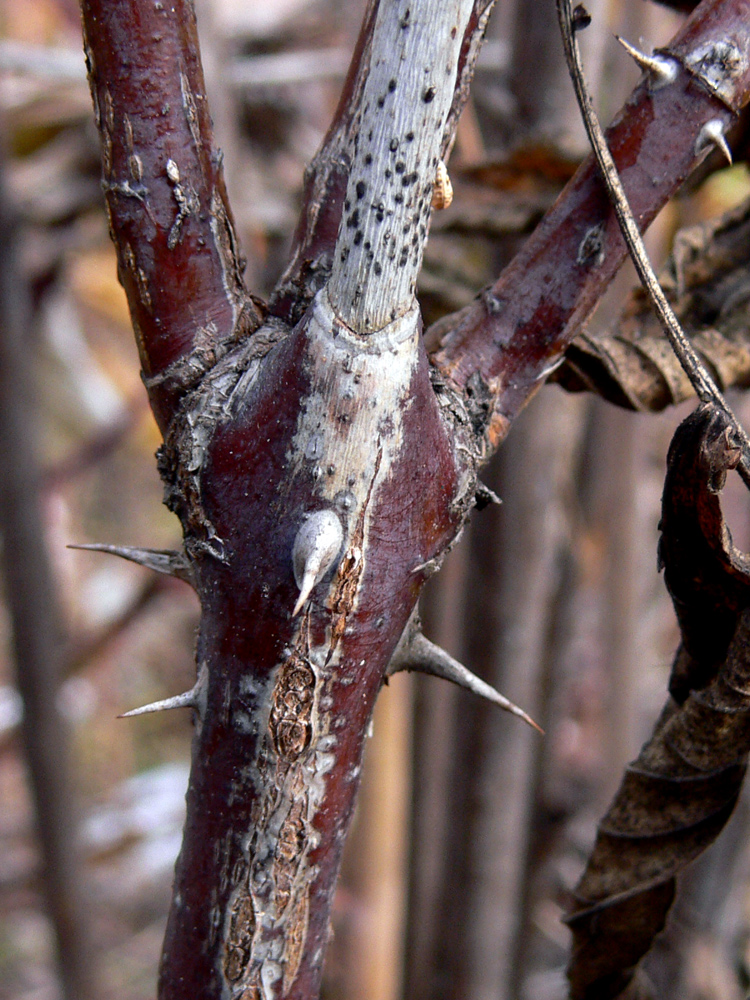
(676, 797)
(707, 282)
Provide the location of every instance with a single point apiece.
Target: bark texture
(320, 465)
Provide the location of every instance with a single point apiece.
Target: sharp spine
(418, 654)
(661, 69)
(184, 700)
(712, 134)
(166, 561)
(316, 546)
(194, 698)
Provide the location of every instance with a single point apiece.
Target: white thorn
(661, 69)
(165, 561)
(184, 700)
(194, 698)
(418, 654)
(316, 546)
(712, 134)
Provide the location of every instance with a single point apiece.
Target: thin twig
(705, 387)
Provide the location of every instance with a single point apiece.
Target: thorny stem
(705, 387)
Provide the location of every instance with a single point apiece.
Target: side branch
(169, 217)
(501, 348)
(701, 380)
(326, 177)
(404, 107)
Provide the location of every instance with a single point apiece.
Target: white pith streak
(350, 428)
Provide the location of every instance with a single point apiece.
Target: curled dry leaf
(707, 282)
(676, 797)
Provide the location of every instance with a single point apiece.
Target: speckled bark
(397, 144)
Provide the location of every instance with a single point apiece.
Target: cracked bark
(326, 402)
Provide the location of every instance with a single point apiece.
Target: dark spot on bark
(353, 219)
(393, 145)
(367, 244)
(347, 205)
(368, 159)
(357, 237)
(391, 86)
(479, 403)
(429, 95)
(369, 136)
(410, 137)
(403, 258)
(404, 22)
(379, 215)
(591, 249)
(414, 240)
(400, 167)
(361, 188)
(398, 198)
(381, 102)
(344, 254)
(453, 32)
(377, 268)
(408, 179)
(492, 303)
(388, 175)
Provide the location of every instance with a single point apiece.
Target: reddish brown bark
(166, 201)
(239, 598)
(284, 699)
(505, 343)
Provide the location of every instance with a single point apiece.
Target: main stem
(336, 425)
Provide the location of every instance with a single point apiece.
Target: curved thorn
(316, 546)
(309, 580)
(661, 69)
(712, 134)
(166, 561)
(420, 655)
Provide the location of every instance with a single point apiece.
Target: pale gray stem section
(395, 151)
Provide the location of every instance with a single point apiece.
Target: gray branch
(395, 152)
